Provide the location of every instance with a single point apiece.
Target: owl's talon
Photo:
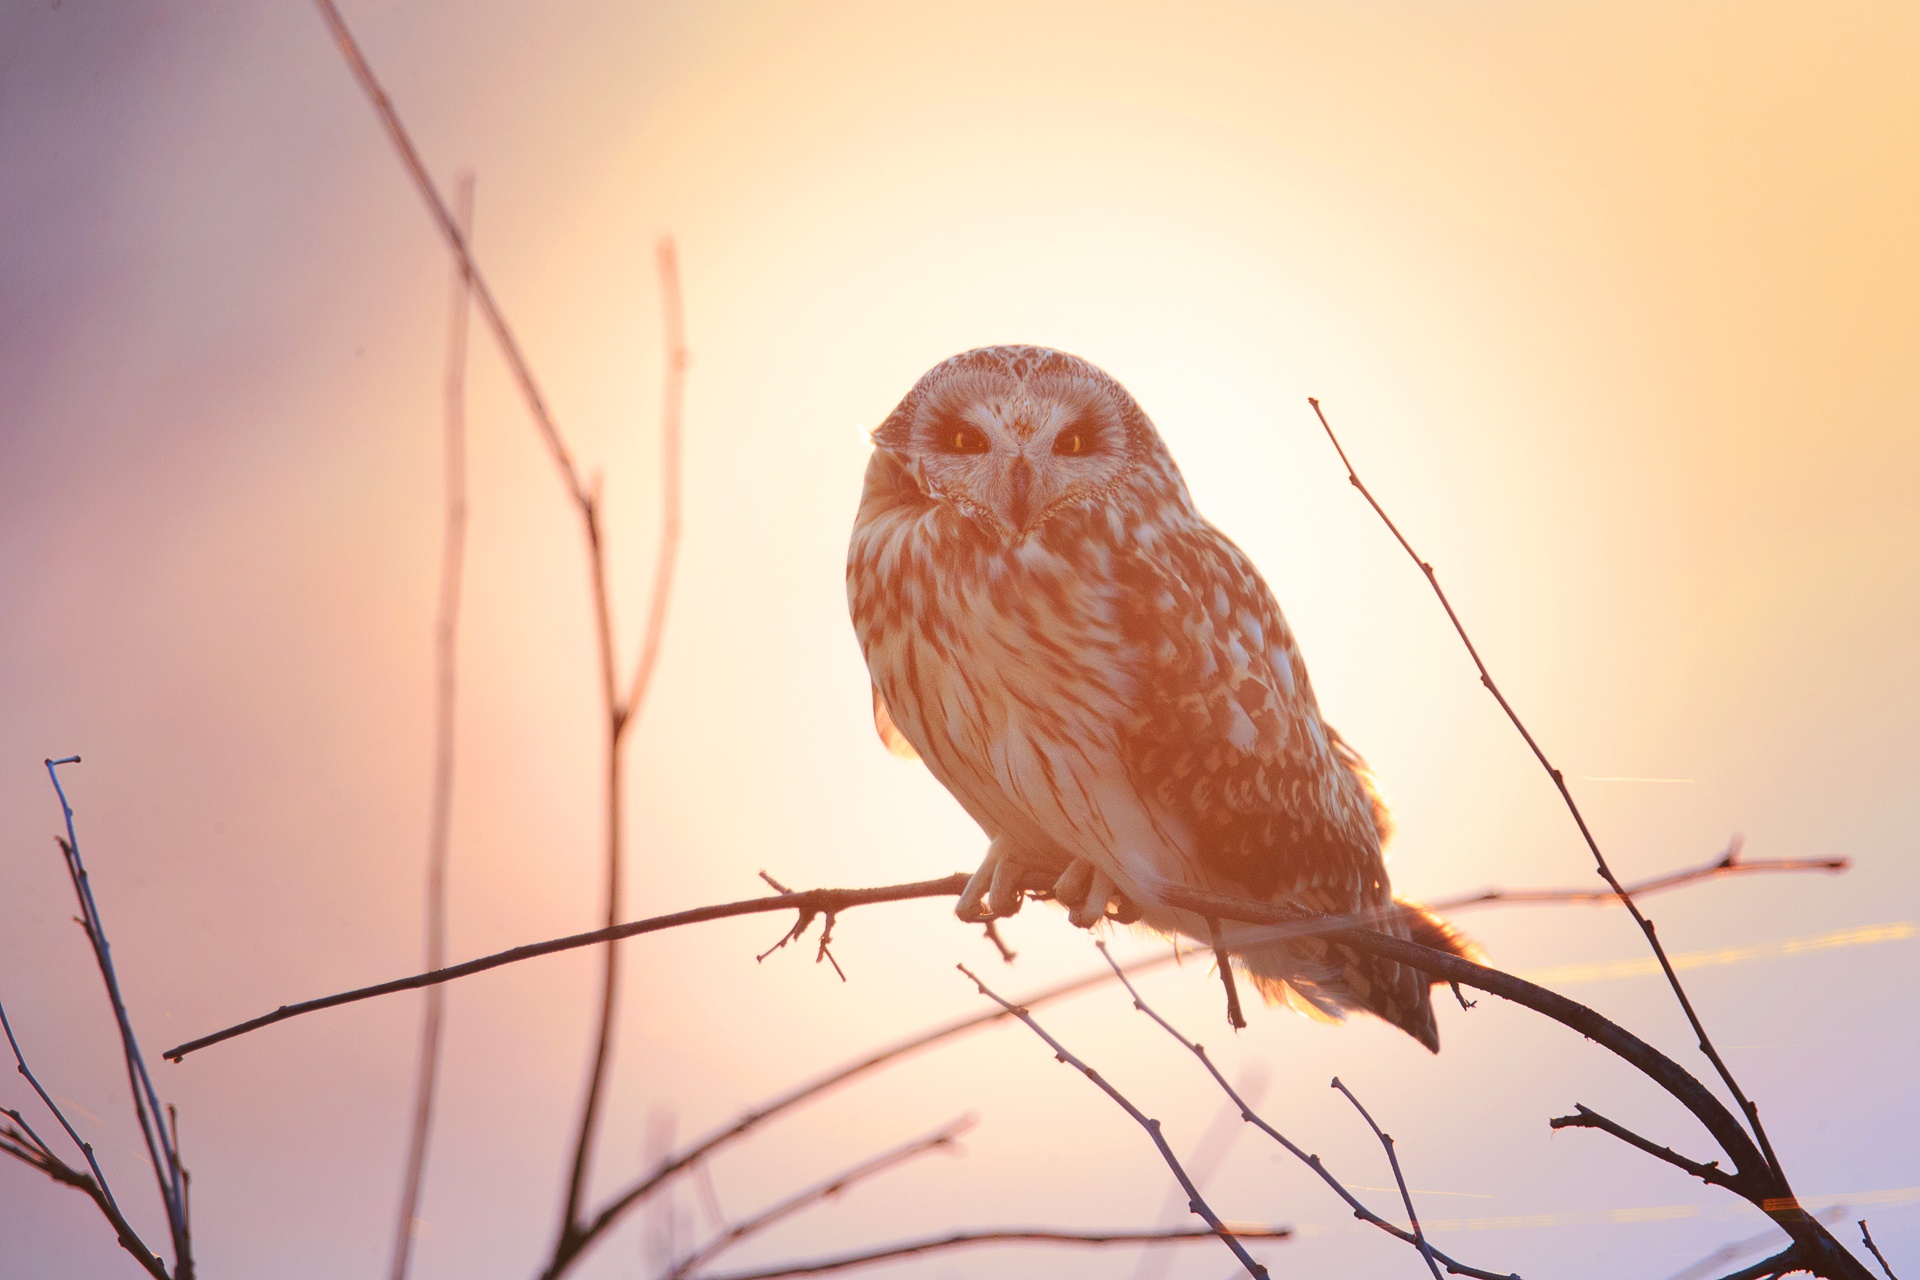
(970, 907)
(1094, 908)
(1071, 889)
(1124, 911)
(1003, 897)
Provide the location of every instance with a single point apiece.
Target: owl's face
(1009, 436)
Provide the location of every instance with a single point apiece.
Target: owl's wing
(1228, 738)
(890, 734)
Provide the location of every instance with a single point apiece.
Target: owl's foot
(996, 889)
(1088, 892)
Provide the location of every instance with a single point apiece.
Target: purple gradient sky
(1616, 306)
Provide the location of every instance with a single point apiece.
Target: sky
(1615, 307)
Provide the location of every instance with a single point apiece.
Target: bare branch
(1729, 863)
(146, 1102)
(695, 1155)
(1194, 1200)
(1867, 1237)
(25, 1145)
(1586, 1118)
(941, 1139)
(999, 1235)
(453, 540)
(673, 398)
(814, 900)
(1754, 1178)
(457, 242)
(1235, 1019)
(1406, 1197)
(1780, 1264)
(1748, 1109)
(1312, 1162)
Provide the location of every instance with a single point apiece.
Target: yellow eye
(1072, 442)
(966, 440)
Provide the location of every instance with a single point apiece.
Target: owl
(1105, 683)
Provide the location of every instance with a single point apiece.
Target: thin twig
(1881, 1258)
(1748, 1109)
(146, 1101)
(1235, 1018)
(673, 399)
(1194, 1199)
(695, 1155)
(1313, 1162)
(41, 1156)
(1754, 1179)
(1729, 863)
(941, 1139)
(1586, 1118)
(1406, 1197)
(446, 630)
(999, 1235)
(815, 900)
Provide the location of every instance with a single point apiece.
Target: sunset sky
(1615, 305)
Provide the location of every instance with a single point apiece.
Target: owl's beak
(1019, 494)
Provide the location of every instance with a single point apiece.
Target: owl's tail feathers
(1429, 930)
(1324, 979)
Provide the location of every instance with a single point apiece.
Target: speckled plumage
(1103, 680)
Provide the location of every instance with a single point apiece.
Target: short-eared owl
(1104, 681)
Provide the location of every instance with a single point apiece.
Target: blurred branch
(440, 806)
(941, 1139)
(1750, 1112)
(1729, 863)
(1406, 1197)
(1001, 1235)
(1729, 1252)
(1194, 1199)
(1312, 1162)
(619, 714)
(695, 1155)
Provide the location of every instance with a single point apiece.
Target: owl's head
(1010, 436)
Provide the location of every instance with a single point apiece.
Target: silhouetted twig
(1586, 1118)
(1748, 1109)
(146, 1102)
(812, 900)
(997, 1235)
(1313, 1162)
(1754, 1178)
(23, 1144)
(941, 1139)
(1406, 1197)
(1194, 1199)
(440, 806)
(1867, 1237)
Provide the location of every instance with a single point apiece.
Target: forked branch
(1195, 1201)
(1750, 1112)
